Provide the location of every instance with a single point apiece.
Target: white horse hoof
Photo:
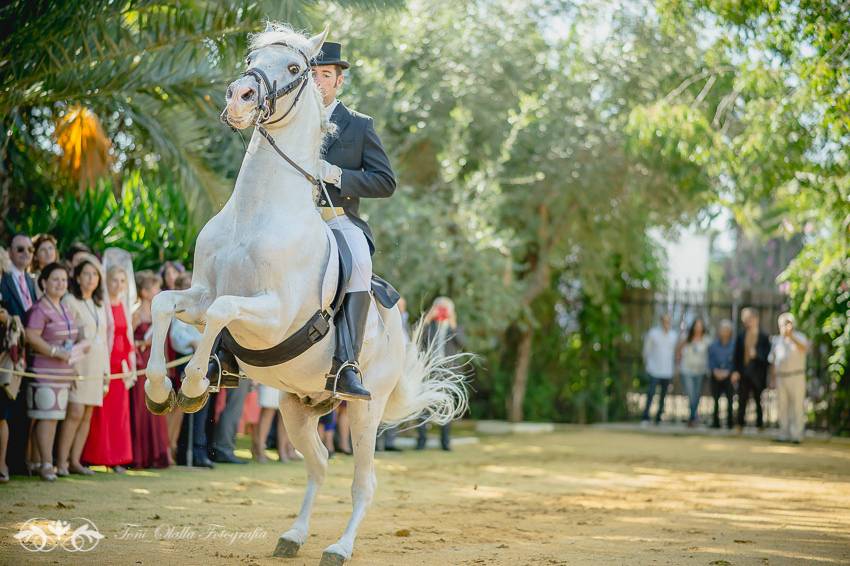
(332, 559)
(192, 404)
(164, 407)
(286, 548)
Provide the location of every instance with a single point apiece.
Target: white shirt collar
(332, 106)
(16, 272)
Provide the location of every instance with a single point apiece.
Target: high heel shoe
(46, 472)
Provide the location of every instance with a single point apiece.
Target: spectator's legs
(421, 436)
(665, 384)
(67, 433)
(729, 391)
(225, 433)
(45, 433)
(784, 417)
(343, 428)
(445, 436)
(174, 421)
(694, 396)
(261, 432)
(744, 391)
(4, 442)
(389, 438)
(757, 394)
(796, 388)
(80, 441)
(200, 448)
(650, 393)
(716, 389)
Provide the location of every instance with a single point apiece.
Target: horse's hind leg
(365, 417)
(302, 427)
(191, 304)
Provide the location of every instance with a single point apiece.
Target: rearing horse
(266, 264)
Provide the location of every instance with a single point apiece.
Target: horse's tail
(433, 385)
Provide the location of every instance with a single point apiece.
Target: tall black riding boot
(344, 380)
(222, 366)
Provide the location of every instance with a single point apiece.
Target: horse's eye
(294, 69)
(248, 61)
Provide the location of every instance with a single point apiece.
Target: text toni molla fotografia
(203, 532)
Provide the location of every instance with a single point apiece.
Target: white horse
(266, 263)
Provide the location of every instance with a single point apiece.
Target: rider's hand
(330, 173)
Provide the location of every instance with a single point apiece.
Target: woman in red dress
(108, 443)
(150, 432)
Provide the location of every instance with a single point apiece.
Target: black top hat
(331, 54)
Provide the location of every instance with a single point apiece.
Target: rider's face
(329, 78)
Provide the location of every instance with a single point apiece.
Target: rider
(355, 166)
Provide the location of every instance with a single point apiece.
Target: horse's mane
(276, 32)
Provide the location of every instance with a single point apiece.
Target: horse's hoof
(164, 407)
(286, 548)
(332, 559)
(192, 404)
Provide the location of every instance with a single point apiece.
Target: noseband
(267, 105)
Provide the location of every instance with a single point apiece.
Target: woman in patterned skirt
(52, 334)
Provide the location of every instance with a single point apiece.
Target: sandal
(4, 477)
(46, 472)
(119, 469)
(62, 472)
(81, 470)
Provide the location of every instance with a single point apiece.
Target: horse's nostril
(248, 95)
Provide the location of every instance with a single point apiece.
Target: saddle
(319, 324)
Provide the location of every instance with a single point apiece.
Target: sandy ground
(577, 496)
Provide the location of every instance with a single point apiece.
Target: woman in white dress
(89, 310)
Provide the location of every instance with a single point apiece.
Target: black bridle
(267, 105)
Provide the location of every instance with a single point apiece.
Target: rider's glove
(330, 173)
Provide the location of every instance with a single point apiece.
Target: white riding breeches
(361, 276)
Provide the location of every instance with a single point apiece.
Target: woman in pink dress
(52, 334)
(108, 443)
(150, 432)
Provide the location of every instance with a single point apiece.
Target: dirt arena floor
(577, 496)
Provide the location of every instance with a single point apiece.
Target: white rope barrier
(175, 363)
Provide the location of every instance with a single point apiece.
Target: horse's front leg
(365, 417)
(159, 395)
(261, 312)
(302, 426)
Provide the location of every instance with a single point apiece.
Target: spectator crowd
(742, 366)
(79, 328)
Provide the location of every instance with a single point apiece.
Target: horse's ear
(316, 42)
(269, 27)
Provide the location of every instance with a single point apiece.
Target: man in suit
(17, 288)
(750, 365)
(355, 166)
(17, 295)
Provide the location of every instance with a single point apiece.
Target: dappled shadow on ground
(571, 497)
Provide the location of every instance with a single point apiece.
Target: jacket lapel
(10, 292)
(341, 117)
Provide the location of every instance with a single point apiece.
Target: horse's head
(277, 76)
